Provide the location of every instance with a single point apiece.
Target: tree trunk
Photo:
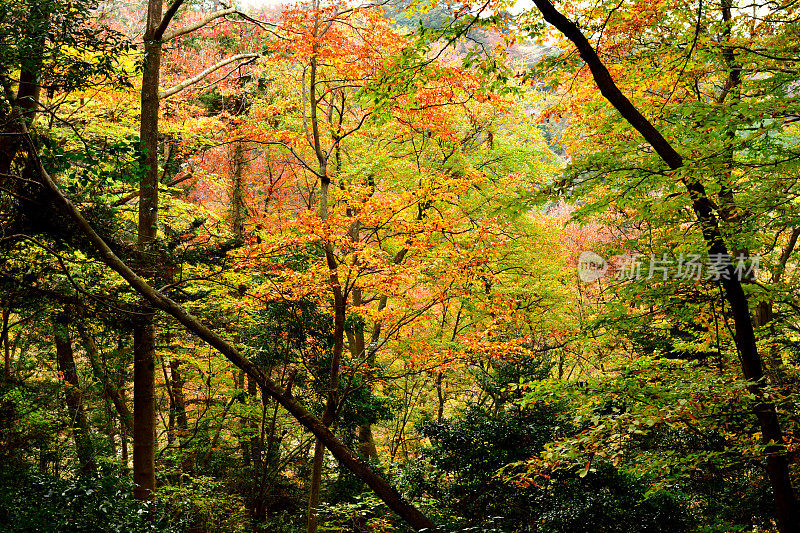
(26, 102)
(237, 190)
(111, 426)
(254, 447)
(124, 433)
(144, 409)
(440, 397)
(73, 394)
(125, 421)
(366, 443)
(339, 302)
(6, 346)
(315, 487)
(764, 313)
(179, 398)
(110, 390)
(332, 401)
(271, 463)
(744, 337)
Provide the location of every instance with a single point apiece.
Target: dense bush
(31, 502)
(201, 504)
(462, 480)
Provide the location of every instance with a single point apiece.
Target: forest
(373, 266)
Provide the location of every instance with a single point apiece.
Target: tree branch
(199, 24)
(166, 19)
(135, 194)
(110, 390)
(196, 79)
(786, 254)
(607, 86)
(294, 153)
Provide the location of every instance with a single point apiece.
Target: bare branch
(196, 79)
(264, 25)
(128, 197)
(228, 75)
(199, 24)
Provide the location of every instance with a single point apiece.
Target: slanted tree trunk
(744, 337)
(110, 390)
(73, 394)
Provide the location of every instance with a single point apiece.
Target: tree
(716, 244)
